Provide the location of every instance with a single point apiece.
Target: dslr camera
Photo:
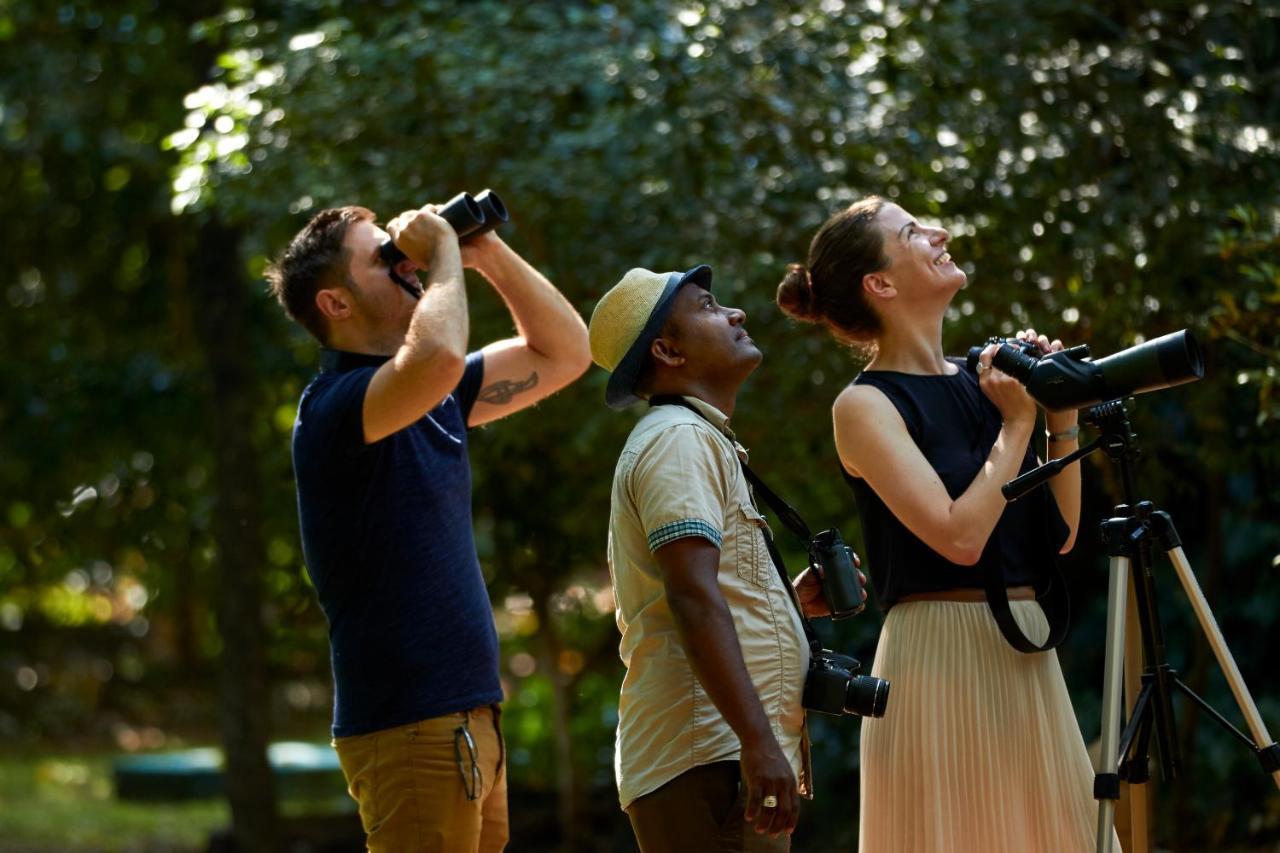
(831, 685)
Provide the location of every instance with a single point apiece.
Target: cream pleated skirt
(978, 750)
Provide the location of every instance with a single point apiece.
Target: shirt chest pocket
(752, 557)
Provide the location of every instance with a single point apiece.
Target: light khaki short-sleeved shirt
(680, 476)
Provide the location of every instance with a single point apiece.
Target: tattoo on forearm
(502, 391)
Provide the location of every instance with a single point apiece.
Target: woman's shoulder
(862, 402)
(881, 388)
(870, 426)
(885, 400)
(859, 389)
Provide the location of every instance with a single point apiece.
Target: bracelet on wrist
(1071, 433)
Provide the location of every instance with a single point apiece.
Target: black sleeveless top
(955, 426)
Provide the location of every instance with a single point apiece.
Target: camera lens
(1161, 363)
(1014, 361)
(866, 696)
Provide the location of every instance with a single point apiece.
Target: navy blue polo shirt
(387, 537)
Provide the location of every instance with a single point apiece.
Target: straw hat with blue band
(628, 318)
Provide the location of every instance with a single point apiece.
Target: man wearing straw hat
(712, 751)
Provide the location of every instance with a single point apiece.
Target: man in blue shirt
(384, 502)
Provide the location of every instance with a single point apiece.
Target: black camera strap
(1055, 603)
(785, 512)
(815, 645)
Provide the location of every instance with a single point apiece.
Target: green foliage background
(1108, 172)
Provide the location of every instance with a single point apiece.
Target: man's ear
(334, 303)
(875, 285)
(666, 353)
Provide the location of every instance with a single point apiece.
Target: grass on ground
(66, 803)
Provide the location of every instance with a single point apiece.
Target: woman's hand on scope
(1041, 341)
(1007, 393)
(1054, 421)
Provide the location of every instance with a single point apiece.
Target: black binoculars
(832, 561)
(469, 215)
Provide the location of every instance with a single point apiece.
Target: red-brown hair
(828, 288)
(313, 260)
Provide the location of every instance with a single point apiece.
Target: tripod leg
(1136, 799)
(1106, 783)
(1153, 656)
(1225, 659)
(1139, 716)
(1133, 685)
(1135, 742)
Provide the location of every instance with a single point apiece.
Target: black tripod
(1129, 535)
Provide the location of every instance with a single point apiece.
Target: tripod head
(1116, 438)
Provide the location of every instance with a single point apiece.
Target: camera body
(832, 561)
(833, 687)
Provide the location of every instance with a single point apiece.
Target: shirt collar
(713, 416)
(340, 361)
(711, 413)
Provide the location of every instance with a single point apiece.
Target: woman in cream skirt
(979, 749)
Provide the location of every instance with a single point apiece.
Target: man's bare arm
(550, 349)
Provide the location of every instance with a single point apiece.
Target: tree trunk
(184, 613)
(220, 308)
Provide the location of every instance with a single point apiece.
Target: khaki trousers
(700, 810)
(434, 786)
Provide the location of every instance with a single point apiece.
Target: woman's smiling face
(917, 253)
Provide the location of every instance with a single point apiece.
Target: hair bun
(795, 294)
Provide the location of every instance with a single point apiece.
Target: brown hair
(828, 289)
(314, 259)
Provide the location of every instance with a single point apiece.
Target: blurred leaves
(1107, 171)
